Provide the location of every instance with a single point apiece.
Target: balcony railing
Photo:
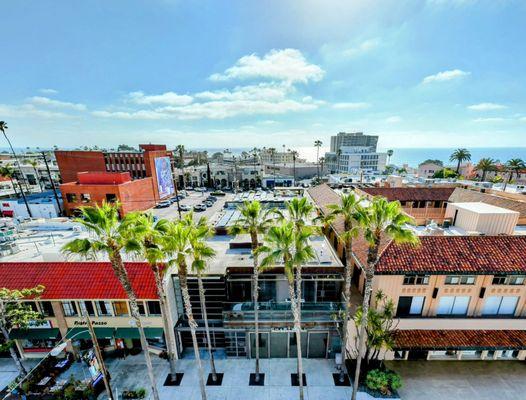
(281, 311)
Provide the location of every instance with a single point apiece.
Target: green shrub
(141, 393)
(383, 381)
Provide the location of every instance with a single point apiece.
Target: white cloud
(393, 119)
(47, 102)
(351, 106)
(263, 91)
(132, 115)
(486, 107)
(168, 98)
(288, 65)
(445, 76)
(29, 110)
(48, 91)
(362, 47)
(490, 119)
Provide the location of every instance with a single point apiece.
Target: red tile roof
(411, 193)
(77, 280)
(456, 254)
(460, 339)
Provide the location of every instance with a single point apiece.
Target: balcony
(281, 311)
(462, 322)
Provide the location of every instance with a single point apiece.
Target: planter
(365, 368)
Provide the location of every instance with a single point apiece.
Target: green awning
(133, 333)
(34, 333)
(83, 333)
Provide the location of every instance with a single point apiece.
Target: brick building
(89, 177)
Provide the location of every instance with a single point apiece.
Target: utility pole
(25, 199)
(98, 356)
(52, 183)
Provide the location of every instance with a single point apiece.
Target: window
(85, 197)
(460, 280)
(71, 197)
(103, 308)
(47, 309)
(120, 308)
(408, 305)
(499, 305)
(70, 308)
(32, 305)
(142, 310)
(453, 305)
(154, 308)
(111, 197)
(86, 307)
(416, 279)
(509, 279)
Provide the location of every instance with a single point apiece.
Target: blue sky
(436, 73)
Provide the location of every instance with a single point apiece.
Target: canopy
(34, 333)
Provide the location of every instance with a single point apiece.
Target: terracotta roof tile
(411, 193)
(460, 339)
(77, 280)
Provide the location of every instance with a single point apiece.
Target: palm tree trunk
(372, 258)
(458, 165)
(122, 275)
(347, 293)
(14, 355)
(255, 296)
(168, 330)
(183, 280)
(297, 328)
(207, 329)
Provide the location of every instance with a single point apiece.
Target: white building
(42, 205)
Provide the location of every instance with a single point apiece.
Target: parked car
(185, 207)
(208, 203)
(199, 207)
(200, 189)
(218, 193)
(163, 204)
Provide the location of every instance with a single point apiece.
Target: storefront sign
(84, 323)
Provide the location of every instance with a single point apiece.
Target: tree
(110, 237)
(318, 144)
(485, 165)
(350, 210)
(380, 219)
(8, 172)
(201, 252)
(254, 220)
(460, 155)
(295, 155)
(180, 151)
(389, 170)
(431, 161)
(13, 312)
(389, 155)
(289, 246)
(177, 246)
(321, 161)
(149, 236)
(514, 166)
(445, 173)
(125, 147)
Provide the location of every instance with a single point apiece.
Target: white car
(200, 189)
(185, 207)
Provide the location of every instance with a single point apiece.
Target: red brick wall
(72, 162)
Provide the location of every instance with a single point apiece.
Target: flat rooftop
(483, 208)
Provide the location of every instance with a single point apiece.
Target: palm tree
(110, 237)
(350, 210)
(380, 219)
(8, 172)
(321, 161)
(289, 246)
(149, 235)
(3, 128)
(460, 155)
(180, 151)
(254, 220)
(515, 165)
(485, 165)
(317, 144)
(389, 155)
(295, 155)
(177, 244)
(34, 164)
(200, 252)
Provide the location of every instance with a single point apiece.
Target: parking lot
(191, 200)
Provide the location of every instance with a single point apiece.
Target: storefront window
(103, 308)
(154, 308)
(86, 307)
(47, 309)
(30, 345)
(142, 310)
(120, 308)
(70, 308)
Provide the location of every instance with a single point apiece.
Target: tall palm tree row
(380, 220)
(460, 155)
(111, 237)
(288, 245)
(254, 220)
(177, 244)
(514, 166)
(485, 165)
(350, 210)
(149, 235)
(318, 144)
